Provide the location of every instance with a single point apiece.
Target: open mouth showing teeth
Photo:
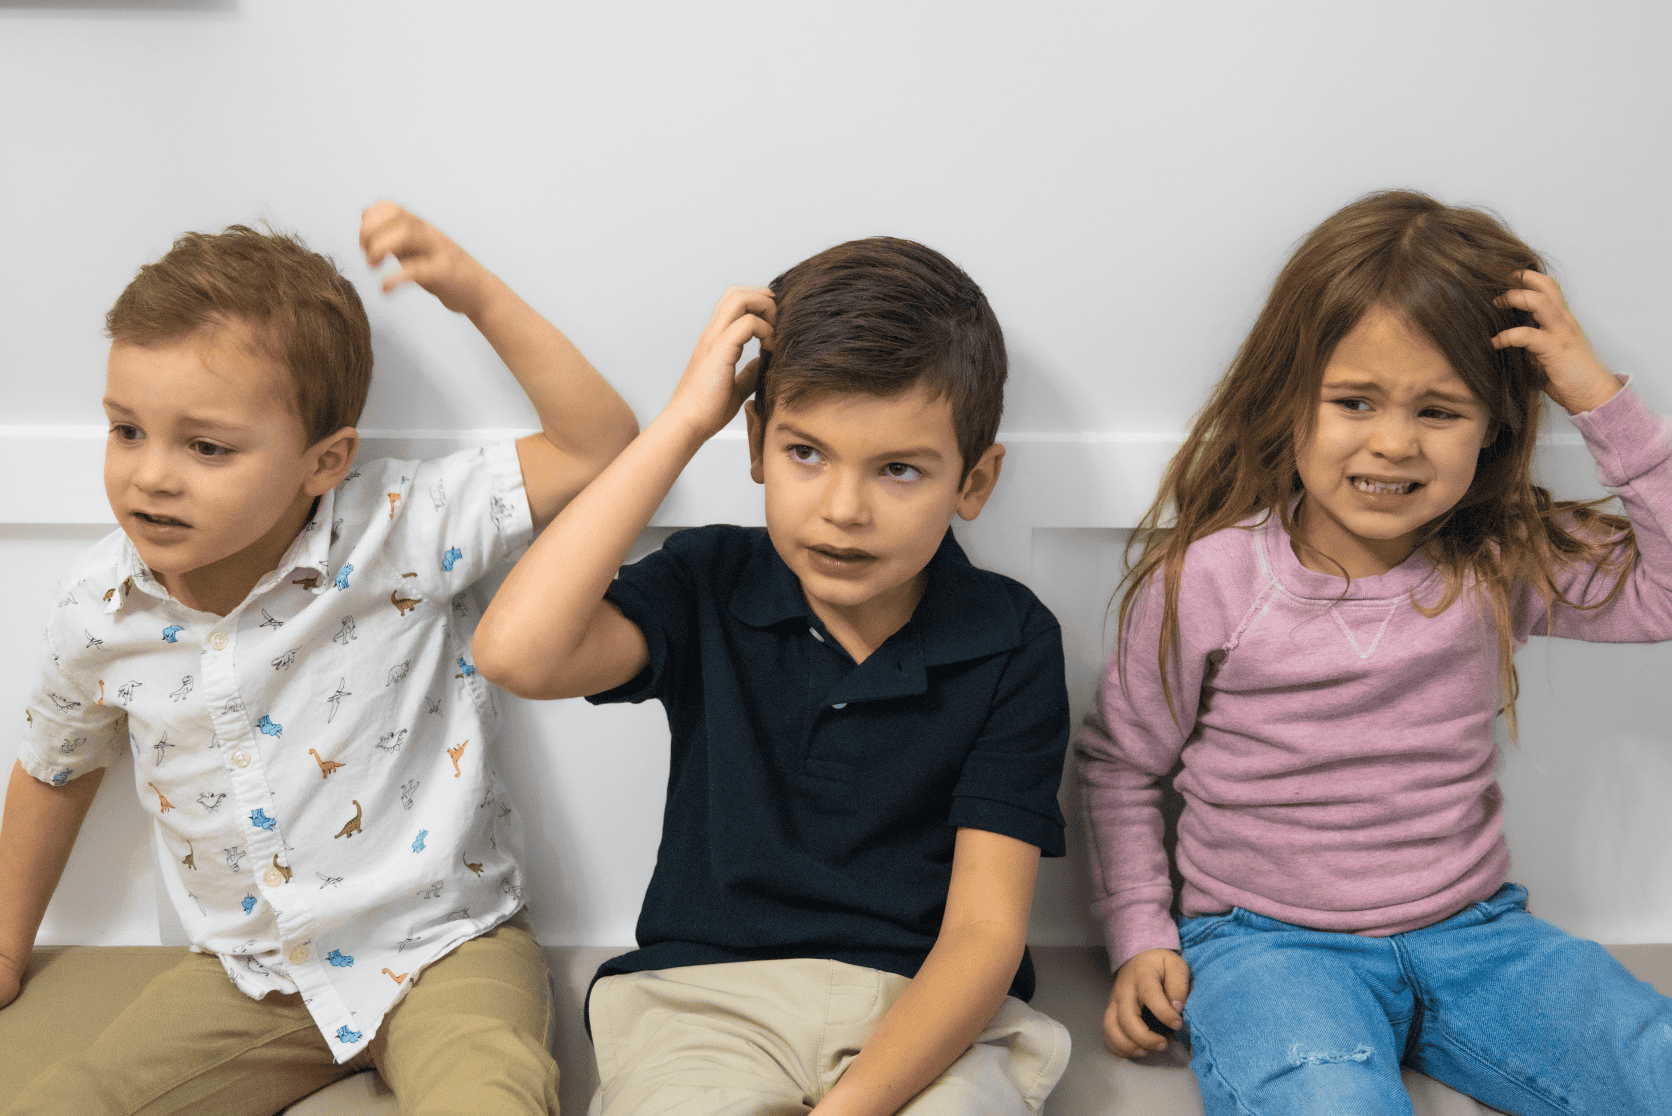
(1384, 488)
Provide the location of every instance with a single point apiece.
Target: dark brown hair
(880, 316)
(1440, 268)
(300, 312)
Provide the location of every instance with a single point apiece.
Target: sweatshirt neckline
(1309, 584)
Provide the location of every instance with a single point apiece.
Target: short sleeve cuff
(635, 606)
(1011, 821)
(506, 469)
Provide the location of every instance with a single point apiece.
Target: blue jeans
(1494, 1002)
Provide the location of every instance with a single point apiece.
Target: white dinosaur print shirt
(327, 820)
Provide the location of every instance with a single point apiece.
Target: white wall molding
(1068, 479)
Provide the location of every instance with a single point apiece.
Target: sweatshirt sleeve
(1129, 743)
(1633, 453)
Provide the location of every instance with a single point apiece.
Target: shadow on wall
(124, 8)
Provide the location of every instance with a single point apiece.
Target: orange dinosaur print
(352, 825)
(101, 691)
(282, 869)
(190, 859)
(414, 573)
(398, 978)
(306, 581)
(455, 753)
(477, 868)
(326, 767)
(394, 498)
(405, 604)
(162, 799)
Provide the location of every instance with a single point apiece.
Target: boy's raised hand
(712, 388)
(1576, 378)
(1158, 979)
(427, 256)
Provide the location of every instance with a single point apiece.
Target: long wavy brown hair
(1441, 268)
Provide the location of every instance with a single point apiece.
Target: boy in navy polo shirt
(867, 731)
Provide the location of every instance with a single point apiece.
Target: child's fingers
(743, 384)
(375, 220)
(738, 301)
(1114, 1029)
(1535, 341)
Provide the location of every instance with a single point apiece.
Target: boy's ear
(757, 442)
(330, 458)
(978, 485)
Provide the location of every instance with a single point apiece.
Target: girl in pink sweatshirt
(1342, 560)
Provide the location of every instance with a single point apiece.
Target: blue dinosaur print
(453, 555)
(340, 959)
(418, 842)
(466, 670)
(346, 1036)
(61, 777)
(249, 903)
(342, 575)
(260, 820)
(170, 632)
(269, 726)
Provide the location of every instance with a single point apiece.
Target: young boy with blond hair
(281, 637)
(867, 732)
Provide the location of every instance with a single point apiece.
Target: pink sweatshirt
(1338, 749)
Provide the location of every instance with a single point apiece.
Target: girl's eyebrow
(1370, 387)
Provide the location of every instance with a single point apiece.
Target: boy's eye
(807, 455)
(209, 449)
(1437, 413)
(1356, 406)
(122, 432)
(899, 470)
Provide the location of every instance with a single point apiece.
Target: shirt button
(840, 705)
(242, 759)
(272, 877)
(299, 955)
(218, 641)
(814, 632)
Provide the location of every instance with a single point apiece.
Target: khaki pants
(469, 1037)
(770, 1038)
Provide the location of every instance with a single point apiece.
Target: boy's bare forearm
(547, 633)
(936, 1019)
(960, 986)
(580, 413)
(537, 624)
(36, 835)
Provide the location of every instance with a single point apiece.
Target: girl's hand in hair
(712, 388)
(1157, 979)
(427, 256)
(1575, 378)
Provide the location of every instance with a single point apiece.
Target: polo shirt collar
(963, 614)
(309, 553)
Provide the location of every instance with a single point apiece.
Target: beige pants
(770, 1038)
(470, 1037)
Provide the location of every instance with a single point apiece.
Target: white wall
(1123, 179)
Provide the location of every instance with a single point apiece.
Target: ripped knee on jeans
(1297, 1057)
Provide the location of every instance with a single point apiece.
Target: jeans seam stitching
(1464, 1048)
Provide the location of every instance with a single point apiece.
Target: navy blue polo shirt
(812, 802)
